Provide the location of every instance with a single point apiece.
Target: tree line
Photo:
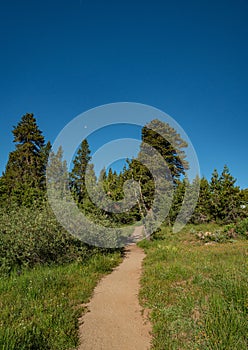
(23, 182)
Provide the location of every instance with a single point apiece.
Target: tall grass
(40, 308)
(197, 293)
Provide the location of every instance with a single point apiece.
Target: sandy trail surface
(114, 320)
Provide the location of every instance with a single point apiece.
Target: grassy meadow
(40, 308)
(196, 291)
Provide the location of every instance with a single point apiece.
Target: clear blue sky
(187, 58)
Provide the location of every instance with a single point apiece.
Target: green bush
(242, 227)
(31, 236)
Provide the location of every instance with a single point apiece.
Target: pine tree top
(27, 132)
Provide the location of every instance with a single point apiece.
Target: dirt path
(114, 320)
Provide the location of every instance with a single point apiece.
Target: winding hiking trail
(114, 320)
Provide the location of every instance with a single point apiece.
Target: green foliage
(141, 174)
(179, 192)
(23, 182)
(147, 168)
(31, 236)
(220, 200)
(225, 197)
(202, 213)
(57, 174)
(244, 201)
(168, 143)
(77, 175)
(241, 228)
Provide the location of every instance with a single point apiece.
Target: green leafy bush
(31, 236)
(242, 227)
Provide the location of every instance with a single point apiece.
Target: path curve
(114, 320)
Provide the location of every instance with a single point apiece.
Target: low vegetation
(40, 307)
(197, 292)
(32, 236)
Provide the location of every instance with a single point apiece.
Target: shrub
(31, 236)
(242, 227)
(218, 236)
(227, 233)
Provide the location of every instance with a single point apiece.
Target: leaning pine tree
(169, 143)
(161, 137)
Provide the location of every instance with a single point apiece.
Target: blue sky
(187, 58)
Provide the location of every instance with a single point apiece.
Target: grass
(197, 293)
(40, 308)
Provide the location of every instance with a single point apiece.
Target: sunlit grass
(40, 308)
(197, 293)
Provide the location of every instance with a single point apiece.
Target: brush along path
(114, 320)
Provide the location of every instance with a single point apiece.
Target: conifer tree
(77, 175)
(161, 137)
(114, 185)
(24, 177)
(92, 191)
(225, 197)
(202, 211)
(230, 196)
(169, 143)
(244, 197)
(57, 174)
(141, 174)
(179, 192)
(3, 192)
(103, 175)
(244, 202)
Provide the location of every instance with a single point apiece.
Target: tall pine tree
(225, 198)
(57, 174)
(77, 175)
(24, 177)
(202, 211)
(168, 143)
